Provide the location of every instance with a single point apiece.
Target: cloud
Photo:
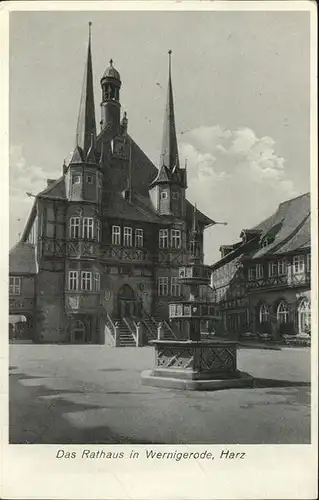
(234, 176)
(23, 178)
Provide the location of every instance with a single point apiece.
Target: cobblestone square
(93, 394)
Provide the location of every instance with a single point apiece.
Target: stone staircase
(151, 324)
(150, 327)
(126, 326)
(168, 332)
(126, 336)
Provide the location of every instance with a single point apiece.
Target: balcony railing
(170, 257)
(115, 253)
(53, 247)
(198, 309)
(82, 248)
(288, 280)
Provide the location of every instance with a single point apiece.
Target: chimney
(50, 182)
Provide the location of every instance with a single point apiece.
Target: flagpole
(216, 223)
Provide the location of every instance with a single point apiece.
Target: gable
(55, 189)
(22, 259)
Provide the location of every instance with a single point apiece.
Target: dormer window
(76, 179)
(164, 195)
(265, 242)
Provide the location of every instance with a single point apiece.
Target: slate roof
(118, 207)
(144, 173)
(301, 239)
(86, 125)
(141, 207)
(56, 189)
(22, 259)
(111, 72)
(289, 228)
(163, 176)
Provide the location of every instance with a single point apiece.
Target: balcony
(197, 273)
(198, 309)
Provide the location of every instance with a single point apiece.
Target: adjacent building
(106, 238)
(262, 283)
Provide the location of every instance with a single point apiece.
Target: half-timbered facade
(262, 283)
(107, 236)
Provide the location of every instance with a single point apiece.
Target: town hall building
(104, 241)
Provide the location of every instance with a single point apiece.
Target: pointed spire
(64, 167)
(86, 125)
(90, 154)
(169, 153)
(77, 156)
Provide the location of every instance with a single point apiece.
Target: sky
(241, 92)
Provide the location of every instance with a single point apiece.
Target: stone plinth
(203, 365)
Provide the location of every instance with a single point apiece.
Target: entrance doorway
(127, 305)
(20, 327)
(78, 332)
(304, 317)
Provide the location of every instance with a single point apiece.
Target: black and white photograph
(162, 245)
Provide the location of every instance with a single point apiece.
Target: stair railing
(130, 328)
(166, 325)
(150, 318)
(112, 329)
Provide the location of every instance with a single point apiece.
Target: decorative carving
(201, 359)
(73, 247)
(175, 358)
(20, 304)
(123, 254)
(218, 359)
(73, 302)
(171, 258)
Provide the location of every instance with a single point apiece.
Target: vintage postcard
(159, 262)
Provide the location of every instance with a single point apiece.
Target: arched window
(282, 313)
(263, 313)
(304, 316)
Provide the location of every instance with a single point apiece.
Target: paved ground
(92, 394)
